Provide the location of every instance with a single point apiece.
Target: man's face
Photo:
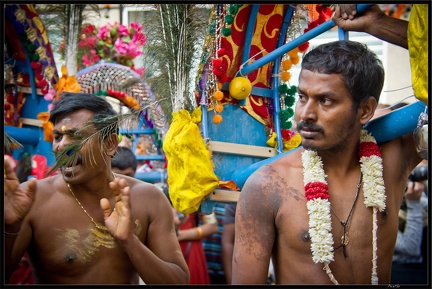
(73, 128)
(126, 172)
(323, 112)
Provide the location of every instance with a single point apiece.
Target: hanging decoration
(27, 37)
(291, 139)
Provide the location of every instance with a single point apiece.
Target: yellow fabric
(47, 126)
(417, 34)
(293, 142)
(190, 170)
(66, 83)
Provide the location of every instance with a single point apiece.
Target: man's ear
(367, 110)
(111, 144)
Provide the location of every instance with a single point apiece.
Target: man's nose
(307, 111)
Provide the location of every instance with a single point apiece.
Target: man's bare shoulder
(143, 189)
(47, 186)
(275, 181)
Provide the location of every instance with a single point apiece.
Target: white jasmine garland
(319, 210)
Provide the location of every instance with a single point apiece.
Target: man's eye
(57, 137)
(326, 101)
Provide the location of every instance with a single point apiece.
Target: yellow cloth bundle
(418, 31)
(190, 170)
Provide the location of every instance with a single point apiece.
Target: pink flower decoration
(136, 26)
(103, 32)
(123, 30)
(121, 47)
(140, 38)
(50, 95)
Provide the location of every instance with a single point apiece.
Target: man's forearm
(390, 29)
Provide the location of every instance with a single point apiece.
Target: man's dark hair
(104, 114)
(360, 68)
(124, 158)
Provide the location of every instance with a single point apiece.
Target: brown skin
(272, 217)
(45, 209)
(228, 237)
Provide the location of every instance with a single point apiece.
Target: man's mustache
(303, 125)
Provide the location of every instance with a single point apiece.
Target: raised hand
(118, 220)
(346, 17)
(17, 199)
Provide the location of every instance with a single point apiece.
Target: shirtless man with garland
(327, 237)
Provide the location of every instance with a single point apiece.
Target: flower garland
(317, 195)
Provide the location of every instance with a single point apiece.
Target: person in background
(190, 235)
(88, 225)
(228, 237)
(410, 255)
(213, 246)
(124, 162)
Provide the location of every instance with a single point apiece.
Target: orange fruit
(240, 87)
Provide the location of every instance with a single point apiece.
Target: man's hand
(414, 191)
(119, 220)
(345, 16)
(17, 200)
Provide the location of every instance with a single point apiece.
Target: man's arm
(409, 242)
(372, 21)
(18, 200)
(254, 232)
(228, 237)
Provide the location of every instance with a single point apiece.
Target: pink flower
(140, 38)
(103, 32)
(133, 49)
(88, 29)
(86, 61)
(121, 47)
(123, 30)
(136, 26)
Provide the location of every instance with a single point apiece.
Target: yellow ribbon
(66, 83)
(47, 126)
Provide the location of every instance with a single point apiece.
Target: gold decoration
(20, 15)
(99, 234)
(31, 34)
(41, 51)
(49, 72)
